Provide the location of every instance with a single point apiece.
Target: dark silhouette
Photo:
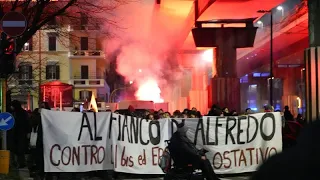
(297, 163)
(184, 152)
(17, 136)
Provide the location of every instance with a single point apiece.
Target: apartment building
(88, 63)
(70, 55)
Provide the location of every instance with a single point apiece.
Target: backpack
(165, 161)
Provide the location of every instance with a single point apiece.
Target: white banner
(76, 142)
(138, 144)
(237, 144)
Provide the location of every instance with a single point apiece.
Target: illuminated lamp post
(271, 55)
(118, 89)
(260, 23)
(280, 8)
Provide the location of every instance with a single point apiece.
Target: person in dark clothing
(300, 162)
(39, 145)
(300, 120)
(287, 114)
(182, 147)
(32, 159)
(215, 111)
(18, 134)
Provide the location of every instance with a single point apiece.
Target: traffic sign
(13, 24)
(6, 121)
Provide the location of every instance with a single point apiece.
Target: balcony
(99, 98)
(88, 27)
(86, 54)
(92, 81)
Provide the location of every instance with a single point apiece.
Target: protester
(39, 145)
(248, 111)
(225, 111)
(186, 152)
(287, 114)
(297, 163)
(17, 136)
(35, 122)
(215, 110)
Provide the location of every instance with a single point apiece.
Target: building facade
(71, 55)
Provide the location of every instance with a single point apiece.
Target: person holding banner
(183, 147)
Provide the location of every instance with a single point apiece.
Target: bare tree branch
(39, 13)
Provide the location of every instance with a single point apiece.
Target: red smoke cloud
(145, 41)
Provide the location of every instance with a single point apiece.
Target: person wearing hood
(18, 134)
(183, 147)
(131, 111)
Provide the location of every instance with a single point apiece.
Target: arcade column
(225, 86)
(290, 78)
(312, 63)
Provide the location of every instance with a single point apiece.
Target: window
(84, 72)
(25, 71)
(83, 19)
(98, 45)
(85, 95)
(52, 43)
(25, 74)
(52, 72)
(28, 45)
(53, 22)
(84, 43)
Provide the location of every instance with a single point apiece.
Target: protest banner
(76, 142)
(138, 144)
(237, 144)
(80, 142)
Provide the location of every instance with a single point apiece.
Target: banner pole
(3, 109)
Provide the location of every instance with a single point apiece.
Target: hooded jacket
(181, 147)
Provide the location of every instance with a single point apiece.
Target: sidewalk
(24, 175)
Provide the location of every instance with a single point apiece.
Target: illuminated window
(83, 95)
(28, 46)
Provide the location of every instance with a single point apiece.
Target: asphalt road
(24, 174)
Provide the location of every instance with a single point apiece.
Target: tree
(40, 13)
(54, 15)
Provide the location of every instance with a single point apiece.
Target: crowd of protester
(27, 123)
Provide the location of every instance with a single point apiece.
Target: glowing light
(93, 104)
(149, 91)
(279, 8)
(26, 44)
(207, 55)
(140, 70)
(299, 102)
(260, 22)
(130, 82)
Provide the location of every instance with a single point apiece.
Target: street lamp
(280, 8)
(271, 54)
(111, 96)
(111, 100)
(260, 23)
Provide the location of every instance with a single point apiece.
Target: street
(24, 174)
